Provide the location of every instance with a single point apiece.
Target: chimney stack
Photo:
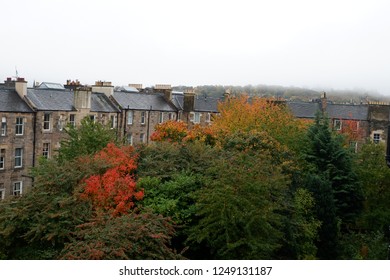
(189, 100)
(21, 87)
(82, 98)
(166, 89)
(324, 102)
(103, 87)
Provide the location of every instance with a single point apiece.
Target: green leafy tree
(240, 207)
(303, 226)
(136, 236)
(375, 177)
(86, 139)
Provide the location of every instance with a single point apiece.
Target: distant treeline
(289, 93)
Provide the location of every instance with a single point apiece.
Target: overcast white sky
(304, 43)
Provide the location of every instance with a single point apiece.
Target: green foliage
(173, 198)
(132, 236)
(36, 225)
(375, 177)
(87, 139)
(328, 157)
(240, 207)
(325, 209)
(364, 246)
(164, 160)
(303, 226)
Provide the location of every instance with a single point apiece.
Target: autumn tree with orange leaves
(245, 114)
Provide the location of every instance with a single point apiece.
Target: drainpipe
(147, 132)
(34, 136)
(117, 126)
(125, 122)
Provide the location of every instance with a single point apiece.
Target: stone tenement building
(33, 119)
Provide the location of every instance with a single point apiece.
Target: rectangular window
(161, 117)
(17, 189)
(60, 124)
(377, 138)
(142, 137)
(113, 121)
(197, 118)
(19, 126)
(130, 139)
(18, 157)
(92, 117)
(46, 121)
(46, 150)
(3, 126)
(2, 191)
(130, 117)
(143, 117)
(2, 159)
(208, 117)
(170, 116)
(337, 124)
(72, 120)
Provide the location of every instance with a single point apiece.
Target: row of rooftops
(107, 98)
(104, 97)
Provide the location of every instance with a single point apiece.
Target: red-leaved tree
(114, 188)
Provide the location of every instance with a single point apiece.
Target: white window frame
(130, 116)
(19, 191)
(72, 120)
(92, 118)
(61, 123)
(208, 117)
(161, 117)
(197, 117)
(113, 121)
(18, 157)
(2, 159)
(46, 150)
(142, 137)
(143, 117)
(19, 127)
(3, 126)
(46, 122)
(337, 124)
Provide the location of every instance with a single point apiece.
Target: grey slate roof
(10, 101)
(206, 104)
(304, 109)
(62, 100)
(51, 100)
(202, 104)
(334, 111)
(101, 103)
(347, 112)
(142, 101)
